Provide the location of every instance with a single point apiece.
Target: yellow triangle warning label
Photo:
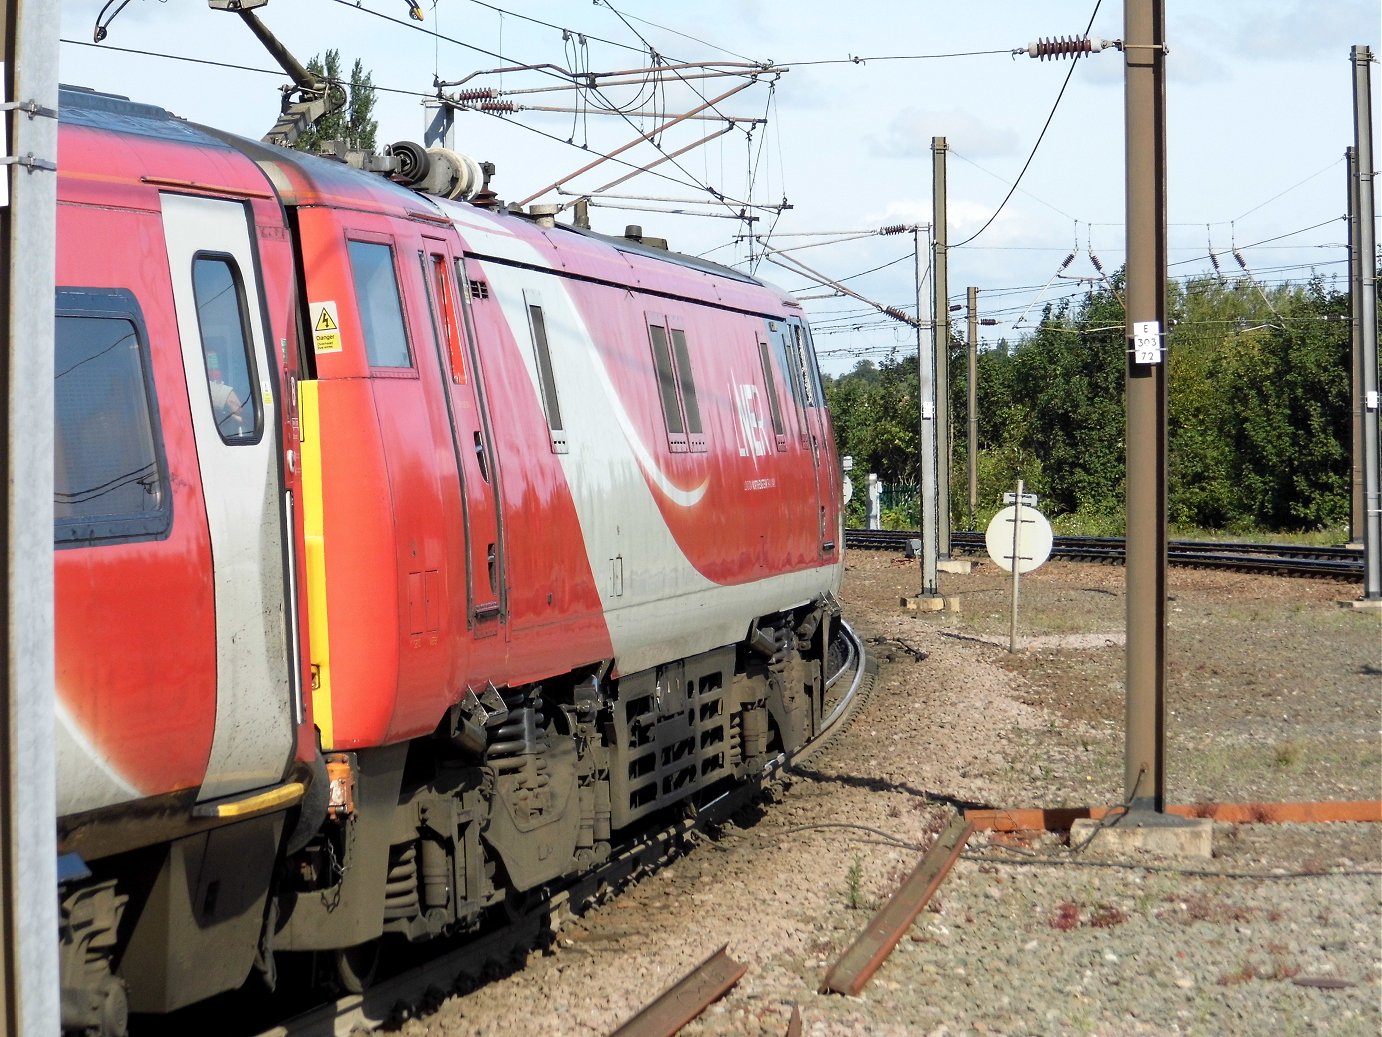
(326, 327)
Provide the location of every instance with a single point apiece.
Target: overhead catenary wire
(1300, 183)
(675, 32)
(1040, 137)
(504, 12)
(797, 266)
(860, 59)
(545, 69)
(1259, 271)
(1001, 180)
(752, 172)
(875, 269)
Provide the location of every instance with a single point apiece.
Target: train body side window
(676, 385)
(686, 385)
(110, 479)
(547, 379)
(230, 374)
(381, 307)
(787, 355)
(667, 386)
(774, 404)
(810, 370)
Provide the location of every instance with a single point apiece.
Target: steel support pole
(1144, 36)
(1357, 515)
(972, 403)
(28, 807)
(940, 335)
(926, 435)
(1367, 312)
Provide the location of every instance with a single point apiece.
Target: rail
(1339, 563)
(683, 1001)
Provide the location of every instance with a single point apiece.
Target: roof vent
(544, 215)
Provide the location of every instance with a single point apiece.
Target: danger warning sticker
(326, 328)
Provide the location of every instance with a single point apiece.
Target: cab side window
(230, 375)
(381, 308)
(109, 475)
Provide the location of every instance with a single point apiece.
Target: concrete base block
(1362, 603)
(1164, 835)
(962, 566)
(923, 604)
(952, 604)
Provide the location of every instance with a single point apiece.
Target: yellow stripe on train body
(315, 548)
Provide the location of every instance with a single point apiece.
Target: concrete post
(927, 440)
(28, 784)
(940, 338)
(972, 407)
(1357, 516)
(1367, 312)
(1145, 102)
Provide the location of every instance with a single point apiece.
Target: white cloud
(1300, 30)
(909, 132)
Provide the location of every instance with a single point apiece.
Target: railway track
(1339, 563)
(418, 990)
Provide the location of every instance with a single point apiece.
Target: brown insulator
(1063, 47)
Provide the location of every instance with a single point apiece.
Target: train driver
(226, 407)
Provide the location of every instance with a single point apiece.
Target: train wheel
(356, 966)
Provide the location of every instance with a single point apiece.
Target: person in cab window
(226, 407)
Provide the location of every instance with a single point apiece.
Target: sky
(1259, 113)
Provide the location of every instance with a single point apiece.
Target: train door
(818, 424)
(236, 422)
(486, 600)
(785, 346)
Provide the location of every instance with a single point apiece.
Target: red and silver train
(408, 551)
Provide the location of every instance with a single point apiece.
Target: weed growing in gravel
(1286, 754)
(1106, 916)
(1278, 969)
(854, 879)
(1068, 916)
(1201, 908)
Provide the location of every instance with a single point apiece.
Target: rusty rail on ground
(684, 1000)
(1059, 819)
(853, 969)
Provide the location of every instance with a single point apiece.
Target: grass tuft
(854, 879)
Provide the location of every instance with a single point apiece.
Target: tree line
(1259, 411)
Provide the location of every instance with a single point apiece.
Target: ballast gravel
(1274, 693)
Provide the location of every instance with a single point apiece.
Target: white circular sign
(1033, 539)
